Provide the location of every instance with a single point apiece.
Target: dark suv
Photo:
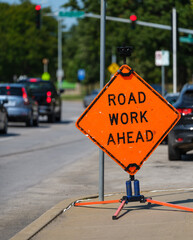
(180, 139)
(45, 93)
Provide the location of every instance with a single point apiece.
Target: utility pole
(60, 72)
(174, 48)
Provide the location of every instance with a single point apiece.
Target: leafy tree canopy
(22, 46)
(83, 45)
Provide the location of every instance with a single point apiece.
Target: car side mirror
(61, 91)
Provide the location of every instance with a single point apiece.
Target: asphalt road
(31, 158)
(41, 166)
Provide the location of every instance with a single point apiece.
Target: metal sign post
(162, 59)
(102, 83)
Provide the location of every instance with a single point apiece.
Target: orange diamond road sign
(128, 119)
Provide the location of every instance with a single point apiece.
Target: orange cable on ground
(98, 202)
(169, 205)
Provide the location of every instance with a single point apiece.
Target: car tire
(4, 130)
(29, 122)
(51, 118)
(173, 153)
(36, 122)
(58, 117)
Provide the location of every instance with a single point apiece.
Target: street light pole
(60, 71)
(174, 48)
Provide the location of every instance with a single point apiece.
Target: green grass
(72, 97)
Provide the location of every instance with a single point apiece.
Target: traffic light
(133, 19)
(38, 16)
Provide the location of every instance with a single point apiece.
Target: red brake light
(180, 139)
(185, 111)
(24, 95)
(49, 93)
(33, 80)
(49, 99)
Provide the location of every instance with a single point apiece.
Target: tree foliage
(85, 37)
(22, 46)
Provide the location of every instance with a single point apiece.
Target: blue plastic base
(136, 197)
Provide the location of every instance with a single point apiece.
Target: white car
(89, 98)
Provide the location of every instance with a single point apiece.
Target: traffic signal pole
(142, 23)
(174, 28)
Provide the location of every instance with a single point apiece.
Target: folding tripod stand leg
(169, 205)
(114, 217)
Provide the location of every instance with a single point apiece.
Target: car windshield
(11, 91)
(39, 86)
(188, 97)
(95, 92)
(172, 99)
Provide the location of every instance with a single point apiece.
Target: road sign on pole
(113, 68)
(188, 39)
(81, 74)
(76, 14)
(162, 58)
(124, 120)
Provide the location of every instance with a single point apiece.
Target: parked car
(158, 88)
(45, 93)
(89, 98)
(20, 106)
(3, 117)
(172, 97)
(180, 139)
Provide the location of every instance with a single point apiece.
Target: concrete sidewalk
(136, 220)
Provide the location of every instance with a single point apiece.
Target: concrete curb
(36, 226)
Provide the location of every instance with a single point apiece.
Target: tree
(22, 46)
(145, 40)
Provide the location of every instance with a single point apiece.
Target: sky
(54, 4)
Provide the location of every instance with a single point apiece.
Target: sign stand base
(136, 197)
